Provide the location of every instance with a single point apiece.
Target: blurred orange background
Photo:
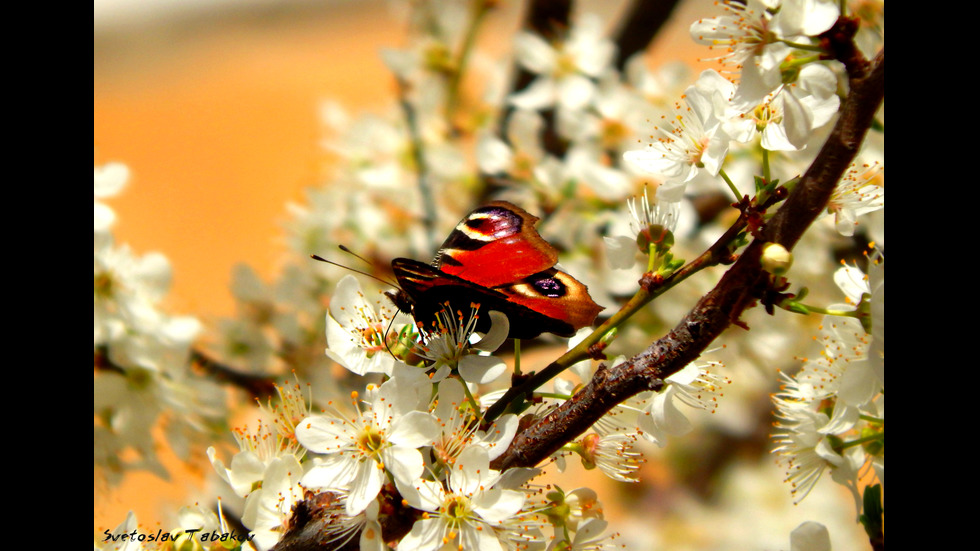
(215, 111)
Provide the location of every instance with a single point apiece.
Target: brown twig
(259, 386)
(639, 26)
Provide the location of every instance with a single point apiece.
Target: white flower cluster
(831, 414)
(267, 469)
(418, 435)
(780, 100)
(141, 353)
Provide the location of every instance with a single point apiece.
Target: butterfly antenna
(355, 255)
(385, 338)
(355, 270)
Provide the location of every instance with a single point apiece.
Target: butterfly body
(495, 258)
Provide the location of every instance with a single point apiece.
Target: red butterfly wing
(495, 244)
(495, 257)
(555, 294)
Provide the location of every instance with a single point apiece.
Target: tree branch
(738, 289)
(259, 386)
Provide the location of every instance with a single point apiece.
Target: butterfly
(495, 258)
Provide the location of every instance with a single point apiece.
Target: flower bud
(776, 259)
(589, 444)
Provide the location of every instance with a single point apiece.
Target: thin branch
(481, 9)
(639, 26)
(259, 386)
(421, 167)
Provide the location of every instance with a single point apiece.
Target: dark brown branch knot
(774, 295)
(597, 351)
(314, 523)
(838, 42)
(320, 521)
(650, 281)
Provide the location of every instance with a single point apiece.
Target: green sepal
(873, 517)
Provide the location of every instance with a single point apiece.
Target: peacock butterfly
(495, 258)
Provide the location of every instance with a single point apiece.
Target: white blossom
(356, 330)
(694, 386)
(565, 71)
(696, 138)
(468, 509)
(381, 438)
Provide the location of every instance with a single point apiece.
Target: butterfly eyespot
(550, 287)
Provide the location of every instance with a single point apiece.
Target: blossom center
(371, 336)
(456, 508)
(764, 115)
(370, 440)
(565, 65)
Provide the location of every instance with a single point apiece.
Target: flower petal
(499, 328)
(322, 434)
(426, 535)
(414, 429)
(481, 369)
(496, 505)
(367, 483)
(404, 463)
(336, 471)
(810, 536)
